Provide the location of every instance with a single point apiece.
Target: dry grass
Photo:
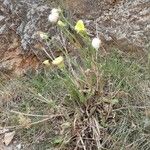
(107, 109)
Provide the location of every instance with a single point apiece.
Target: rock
(19, 23)
(122, 23)
(12, 58)
(8, 137)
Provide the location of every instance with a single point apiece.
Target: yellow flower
(79, 27)
(59, 62)
(61, 24)
(46, 63)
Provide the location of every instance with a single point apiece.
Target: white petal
(96, 42)
(53, 17)
(55, 10)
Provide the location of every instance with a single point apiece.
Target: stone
(122, 23)
(19, 22)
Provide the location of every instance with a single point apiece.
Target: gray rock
(19, 21)
(128, 21)
(124, 22)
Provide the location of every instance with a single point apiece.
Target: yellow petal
(79, 27)
(59, 61)
(61, 65)
(46, 62)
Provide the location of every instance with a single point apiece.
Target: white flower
(55, 10)
(53, 17)
(96, 42)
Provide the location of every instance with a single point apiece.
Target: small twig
(30, 115)
(50, 50)
(81, 140)
(138, 107)
(40, 121)
(47, 53)
(96, 28)
(34, 123)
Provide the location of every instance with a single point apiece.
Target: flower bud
(96, 43)
(53, 17)
(79, 27)
(59, 62)
(43, 35)
(46, 63)
(61, 24)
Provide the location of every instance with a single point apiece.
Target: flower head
(46, 63)
(43, 35)
(96, 42)
(59, 62)
(53, 17)
(79, 27)
(61, 24)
